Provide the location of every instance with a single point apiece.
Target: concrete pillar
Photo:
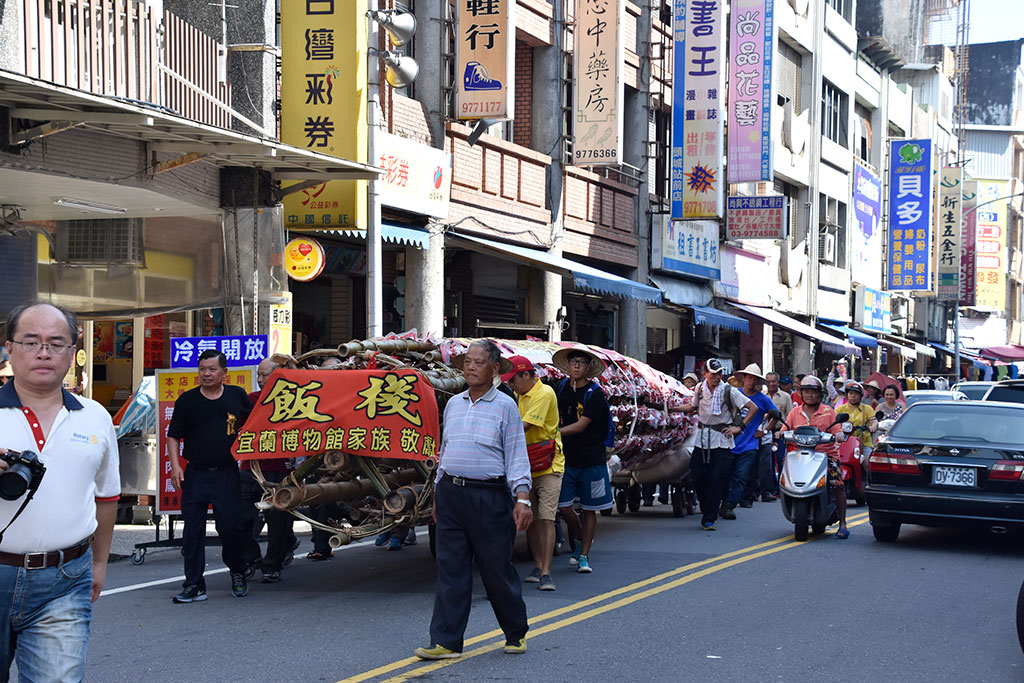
(545, 297)
(803, 356)
(637, 133)
(429, 14)
(424, 286)
(767, 351)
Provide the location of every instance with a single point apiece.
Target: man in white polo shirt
(54, 549)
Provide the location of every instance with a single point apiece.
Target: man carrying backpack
(717, 405)
(586, 425)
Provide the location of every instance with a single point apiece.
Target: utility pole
(960, 84)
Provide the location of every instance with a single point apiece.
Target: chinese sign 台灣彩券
(485, 59)
(697, 126)
(948, 239)
(241, 350)
(598, 83)
(910, 216)
(323, 86)
(377, 413)
(752, 39)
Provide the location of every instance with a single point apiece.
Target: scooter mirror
(841, 418)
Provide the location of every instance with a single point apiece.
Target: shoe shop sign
(599, 83)
(485, 59)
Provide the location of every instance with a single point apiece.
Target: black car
(949, 463)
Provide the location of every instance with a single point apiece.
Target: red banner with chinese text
(376, 413)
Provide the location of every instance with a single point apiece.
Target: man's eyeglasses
(34, 346)
(579, 361)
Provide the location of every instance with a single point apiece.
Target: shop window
(862, 145)
(657, 340)
(834, 103)
(842, 7)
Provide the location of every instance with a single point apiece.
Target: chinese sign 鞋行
(598, 82)
(697, 125)
(752, 39)
(239, 350)
(910, 216)
(757, 218)
(691, 247)
(323, 105)
(968, 238)
(948, 239)
(485, 59)
(170, 384)
(377, 413)
(990, 259)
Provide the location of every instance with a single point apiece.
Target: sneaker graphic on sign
(476, 78)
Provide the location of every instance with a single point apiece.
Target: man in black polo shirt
(208, 418)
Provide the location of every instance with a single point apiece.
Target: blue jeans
(741, 472)
(46, 627)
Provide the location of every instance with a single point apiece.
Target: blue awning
(772, 317)
(977, 362)
(858, 338)
(583, 276)
(396, 234)
(682, 292)
(705, 315)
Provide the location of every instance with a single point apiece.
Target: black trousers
(280, 538)
(475, 524)
(712, 470)
(200, 489)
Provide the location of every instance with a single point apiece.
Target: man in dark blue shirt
(749, 441)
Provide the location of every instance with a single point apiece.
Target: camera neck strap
(28, 498)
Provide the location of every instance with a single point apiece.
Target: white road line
(223, 570)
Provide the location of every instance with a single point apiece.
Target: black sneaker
(746, 504)
(190, 594)
(239, 586)
(725, 512)
(271, 576)
(250, 569)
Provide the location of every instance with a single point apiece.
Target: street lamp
(399, 71)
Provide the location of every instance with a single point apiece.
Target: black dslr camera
(24, 472)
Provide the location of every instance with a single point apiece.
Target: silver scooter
(807, 499)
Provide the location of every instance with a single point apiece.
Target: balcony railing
(121, 48)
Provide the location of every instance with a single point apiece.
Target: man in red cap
(538, 406)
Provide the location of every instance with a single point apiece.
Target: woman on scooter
(815, 413)
(891, 408)
(862, 417)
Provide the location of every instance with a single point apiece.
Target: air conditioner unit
(827, 247)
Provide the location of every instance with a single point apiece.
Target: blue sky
(995, 20)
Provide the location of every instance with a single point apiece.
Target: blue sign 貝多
(909, 257)
(248, 349)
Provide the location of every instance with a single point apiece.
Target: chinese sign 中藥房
(376, 413)
(752, 39)
(323, 105)
(948, 239)
(697, 127)
(757, 218)
(910, 216)
(598, 83)
(485, 59)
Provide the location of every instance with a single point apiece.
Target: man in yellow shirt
(538, 406)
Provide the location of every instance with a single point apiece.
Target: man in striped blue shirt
(483, 465)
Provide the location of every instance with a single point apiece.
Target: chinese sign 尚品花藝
(752, 39)
(323, 108)
(241, 350)
(170, 384)
(910, 216)
(968, 240)
(990, 244)
(485, 59)
(377, 413)
(691, 247)
(948, 239)
(699, 79)
(598, 83)
(754, 218)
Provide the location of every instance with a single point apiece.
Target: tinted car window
(974, 393)
(964, 422)
(1012, 394)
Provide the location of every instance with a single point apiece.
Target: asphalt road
(666, 601)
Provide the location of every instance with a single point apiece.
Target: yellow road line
(763, 548)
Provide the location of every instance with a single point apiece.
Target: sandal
(843, 533)
(318, 556)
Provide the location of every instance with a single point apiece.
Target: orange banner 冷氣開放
(376, 413)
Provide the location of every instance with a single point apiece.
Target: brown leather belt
(48, 559)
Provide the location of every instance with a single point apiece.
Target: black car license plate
(954, 476)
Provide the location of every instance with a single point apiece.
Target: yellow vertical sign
(323, 104)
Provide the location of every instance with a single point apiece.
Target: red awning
(1011, 352)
